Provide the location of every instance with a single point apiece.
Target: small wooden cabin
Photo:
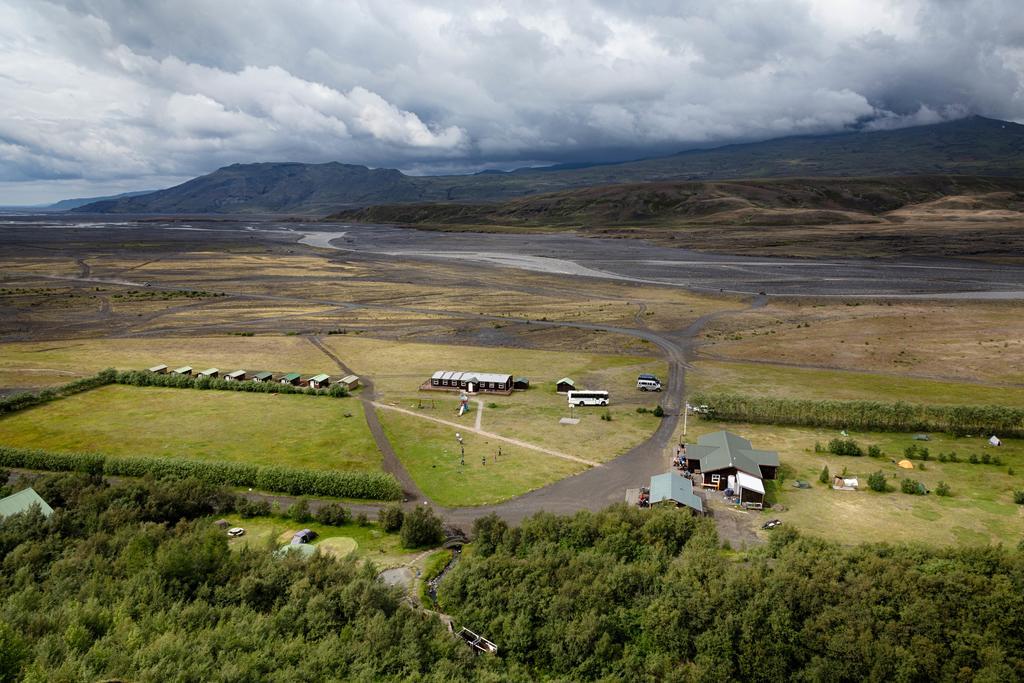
(212, 373)
(350, 382)
(159, 369)
(292, 378)
(263, 377)
(565, 385)
(318, 381)
(185, 370)
(236, 376)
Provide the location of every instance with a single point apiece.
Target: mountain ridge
(974, 146)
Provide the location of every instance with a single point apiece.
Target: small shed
(304, 536)
(565, 385)
(22, 501)
(521, 383)
(751, 490)
(212, 373)
(349, 381)
(263, 377)
(183, 370)
(236, 376)
(159, 369)
(318, 381)
(292, 378)
(673, 488)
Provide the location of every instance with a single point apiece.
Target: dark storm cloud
(115, 93)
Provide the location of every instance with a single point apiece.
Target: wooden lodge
(236, 376)
(159, 369)
(565, 385)
(292, 378)
(673, 489)
(350, 382)
(212, 373)
(263, 377)
(471, 382)
(726, 460)
(185, 370)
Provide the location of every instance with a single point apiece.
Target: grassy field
(372, 544)
(981, 509)
(982, 342)
(431, 454)
(757, 379)
(299, 431)
(399, 369)
(56, 362)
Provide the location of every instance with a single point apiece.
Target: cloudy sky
(103, 96)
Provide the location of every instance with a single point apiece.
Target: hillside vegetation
(919, 215)
(972, 146)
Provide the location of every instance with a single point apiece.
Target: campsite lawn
(755, 379)
(265, 429)
(430, 453)
(372, 543)
(981, 509)
(398, 370)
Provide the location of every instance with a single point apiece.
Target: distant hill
(770, 201)
(68, 204)
(273, 188)
(971, 146)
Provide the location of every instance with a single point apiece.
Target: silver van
(648, 384)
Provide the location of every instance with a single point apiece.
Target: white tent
(994, 441)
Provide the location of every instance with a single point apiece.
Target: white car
(236, 531)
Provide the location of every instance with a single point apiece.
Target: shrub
(606, 415)
(986, 458)
(299, 511)
(952, 457)
(818, 448)
(253, 508)
(361, 519)
(845, 447)
(874, 451)
(913, 487)
(824, 477)
(876, 482)
(1018, 497)
(391, 517)
(973, 459)
(641, 410)
(1010, 471)
(943, 490)
(332, 514)
(421, 528)
(659, 411)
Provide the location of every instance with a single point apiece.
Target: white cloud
(106, 91)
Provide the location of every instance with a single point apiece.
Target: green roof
(566, 380)
(263, 375)
(22, 501)
(290, 376)
(674, 487)
(722, 450)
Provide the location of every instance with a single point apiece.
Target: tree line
(142, 378)
(865, 415)
(291, 480)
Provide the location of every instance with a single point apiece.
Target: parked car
(648, 383)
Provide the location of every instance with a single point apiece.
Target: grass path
(490, 435)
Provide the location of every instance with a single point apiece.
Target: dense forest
(131, 581)
(650, 595)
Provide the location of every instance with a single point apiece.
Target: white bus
(588, 398)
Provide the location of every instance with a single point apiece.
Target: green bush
(332, 514)
(912, 487)
(299, 511)
(294, 481)
(1018, 497)
(877, 482)
(845, 447)
(391, 517)
(824, 477)
(864, 415)
(659, 411)
(943, 490)
(874, 451)
(253, 508)
(421, 528)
